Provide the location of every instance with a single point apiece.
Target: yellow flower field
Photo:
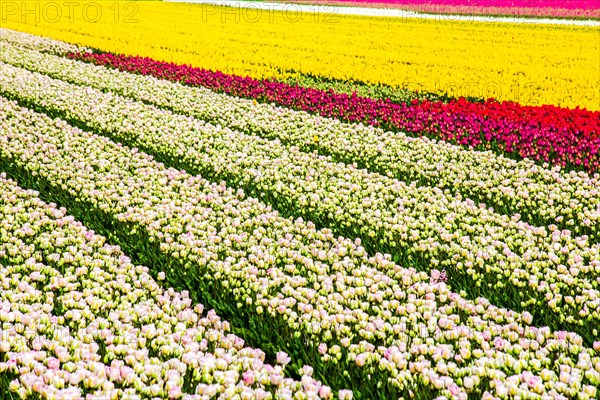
(531, 64)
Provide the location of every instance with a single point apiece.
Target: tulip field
(176, 230)
(531, 64)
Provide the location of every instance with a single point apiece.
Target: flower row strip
(79, 320)
(40, 43)
(370, 318)
(560, 136)
(531, 9)
(541, 196)
(567, 4)
(548, 272)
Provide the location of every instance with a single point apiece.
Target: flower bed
(532, 64)
(566, 137)
(79, 319)
(511, 263)
(542, 196)
(419, 336)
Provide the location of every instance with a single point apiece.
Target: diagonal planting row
(560, 136)
(38, 42)
(541, 196)
(387, 327)
(79, 320)
(550, 273)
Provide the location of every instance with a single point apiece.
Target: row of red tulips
(560, 136)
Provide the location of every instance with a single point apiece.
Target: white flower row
(361, 310)
(39, 43)
(540, 195)
(551, 271)
(76, 316)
